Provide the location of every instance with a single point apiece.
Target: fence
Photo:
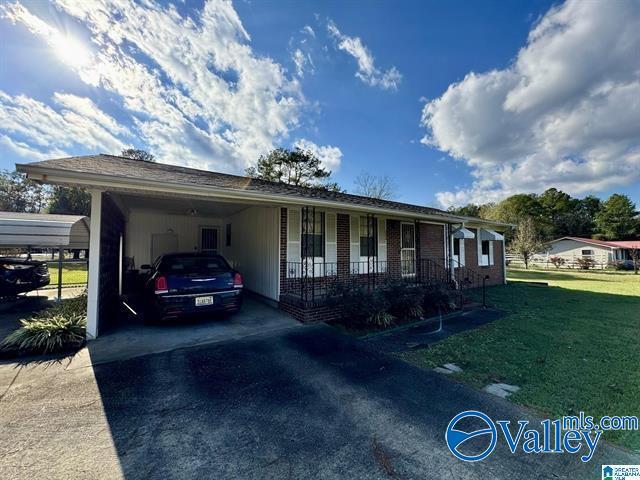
(542, 261)
(312, 281)
(75, 272)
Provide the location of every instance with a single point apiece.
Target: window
(312, 234)
(485, 253)
(228, 235)
(456, 247)
(368, 237)
(587, 253)
(209, 239)
(458, 252)
(193, 264)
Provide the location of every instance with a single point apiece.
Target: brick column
(393, 249)
(343, 247)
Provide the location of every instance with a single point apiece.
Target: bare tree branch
(373, 186)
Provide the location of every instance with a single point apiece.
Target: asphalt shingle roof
(111, 165)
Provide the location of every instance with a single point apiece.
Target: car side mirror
(145, 267)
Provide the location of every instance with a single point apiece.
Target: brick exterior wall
(431, 242)
(310, 314)
(495, 271)
(111, 227)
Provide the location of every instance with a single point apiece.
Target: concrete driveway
(296, 403)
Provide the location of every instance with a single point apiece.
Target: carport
(130, 229)
(41, 230)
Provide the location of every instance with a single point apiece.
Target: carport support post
(60, 254)
(93, 286)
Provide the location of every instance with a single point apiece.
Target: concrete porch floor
(135, 339)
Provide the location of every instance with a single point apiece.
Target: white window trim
(459, 260)
(316, 260)
(481, 258)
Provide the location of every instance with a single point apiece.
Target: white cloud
(565, 114)
(303, 62)
(32, 129)
(197, 92)
(330, 157)
(367, 71)
(309, 31)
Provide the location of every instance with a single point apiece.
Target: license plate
(202, 301)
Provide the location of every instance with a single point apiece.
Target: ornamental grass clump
(57, 328)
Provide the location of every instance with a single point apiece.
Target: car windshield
(193, 265)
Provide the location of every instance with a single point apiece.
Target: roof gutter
(66, 177)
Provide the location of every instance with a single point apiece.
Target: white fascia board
(113, 183)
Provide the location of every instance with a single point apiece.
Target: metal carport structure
(42, 230)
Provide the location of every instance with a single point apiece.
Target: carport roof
(83, 168)
(43, 230)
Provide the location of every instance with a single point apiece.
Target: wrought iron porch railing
(312, 281)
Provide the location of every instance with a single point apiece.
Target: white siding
(571, 250)
(142, 224)
(255, 250)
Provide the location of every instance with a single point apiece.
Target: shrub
(557, 261)
(436, 299)
(625, 265)
(585, 263)
(405, 301)
(362, 307)
(57, 328)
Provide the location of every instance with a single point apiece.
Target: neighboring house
(602, 252)
(290, 243)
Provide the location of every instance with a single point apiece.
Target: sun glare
(71, 51)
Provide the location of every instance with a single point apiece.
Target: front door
(408, 249)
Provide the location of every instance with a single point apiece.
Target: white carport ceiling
(179, 206)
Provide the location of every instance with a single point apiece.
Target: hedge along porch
(291, 241)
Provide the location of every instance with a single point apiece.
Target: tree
(559, 211)
(616, 220)
(469, 210)
(581, 222)
(137, 154)
(634, 253)
(70, 201)
(373, 186)
(526, 241)
(19, 194)
(294, 167)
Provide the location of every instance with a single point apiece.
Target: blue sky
(455, 101)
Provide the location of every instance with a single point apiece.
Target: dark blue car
(182, 284)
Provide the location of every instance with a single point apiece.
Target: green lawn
(72, 274)
(572, 346)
